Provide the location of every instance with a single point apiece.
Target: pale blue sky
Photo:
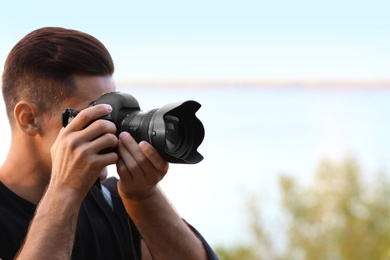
(222, 40)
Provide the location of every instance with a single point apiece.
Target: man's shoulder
(11, 200)
(15, 216)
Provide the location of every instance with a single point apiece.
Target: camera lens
(173, 130)
(173, 133)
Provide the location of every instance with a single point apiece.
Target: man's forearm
(166, 235)
(52, 230)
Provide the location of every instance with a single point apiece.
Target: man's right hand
(76, 158)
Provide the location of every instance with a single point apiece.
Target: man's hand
(76, 158)
(140, 168)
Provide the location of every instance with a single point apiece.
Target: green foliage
(236, 253)
(261, 246)
(338, 216)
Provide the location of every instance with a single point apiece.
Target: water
(253, 135)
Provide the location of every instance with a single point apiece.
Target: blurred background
(295, 97)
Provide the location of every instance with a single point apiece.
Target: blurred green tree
(235, 253)
(338, 216)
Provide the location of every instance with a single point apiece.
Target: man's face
(88, 89)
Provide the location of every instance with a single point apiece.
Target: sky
(246, 40)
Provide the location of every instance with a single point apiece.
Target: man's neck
(25, 178)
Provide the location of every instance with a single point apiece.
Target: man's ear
(27, 117)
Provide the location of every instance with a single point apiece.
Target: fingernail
(143, 144)
(124, 135)
(109, 108)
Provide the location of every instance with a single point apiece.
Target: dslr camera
(173, 130)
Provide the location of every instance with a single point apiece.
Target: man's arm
(51, 233)
(166, 235)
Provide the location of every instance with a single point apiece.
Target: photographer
(49, 206)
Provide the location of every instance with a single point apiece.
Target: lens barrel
(173, 130)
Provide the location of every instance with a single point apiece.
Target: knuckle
(85, 116)
(111, 139)
(105, 126)
(71, 143)
(121, 167)
(143, 160)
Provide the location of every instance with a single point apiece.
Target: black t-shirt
(102, 232)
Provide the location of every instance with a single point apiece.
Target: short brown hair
(41, 66)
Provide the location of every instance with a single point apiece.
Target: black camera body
(173, 130)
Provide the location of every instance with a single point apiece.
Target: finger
(128, 151)
(136, 160)
(154, 157)
(98, 128)
(108, 159)
(86, 116)
(103, 142)
(123, 172)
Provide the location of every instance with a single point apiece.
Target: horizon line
(259, 83)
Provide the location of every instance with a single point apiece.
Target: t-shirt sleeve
(210, 252)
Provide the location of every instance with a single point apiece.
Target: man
(49, 207)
